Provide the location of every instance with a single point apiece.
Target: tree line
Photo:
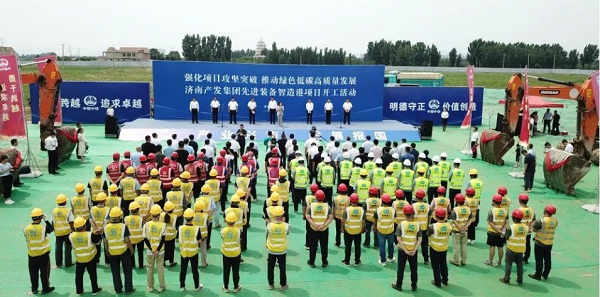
(206, 48)
(402, 53)
(155, 54)
(304, 55)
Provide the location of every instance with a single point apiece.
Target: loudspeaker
(111, 127)
(426, 130)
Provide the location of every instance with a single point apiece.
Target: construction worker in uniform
(215, 193)
(84, 246)
(306, 202)
(282, 187)
(370, 206)
(408, 236)
(155, 186)
(390, 182)
(96, 184)
(142, 173)
(201, 174)
(38, 251)
(113, 199)
(151, 162)
(272, 174)
(186, 188)
(384, 226)
(127, 162)
(434, 173)
(439, 236)
(277, 234)
(355, 175)
(253, 175)
(154, 238)
(177, 197)
(370, 164)
(319, 216)
(222, 175)
(120, 249)
(190, 238)
(497, 221)
(377, 175)
(398, 205)
(340, 203)
(422, 214)
(62, 222)
(362, 187)
(353, 221)
(405, 181)
(396, 165)
(544, 229)
(174, 165)
(169, 217)
(135, 224)
(269, 207)
(242, 182)
(473, 204)
(240, 215)
(166, 178)
(345, 170)
(231, 250)
(300, 176)
(446, 167)
(292, 165)
(144, 202)
(201, 215)
(114, 169)
(210, 207)
(440, 201)
(243, 205)
(502, 191)
(80, 204)
(421, 162)
(192, 178)
(529, 220)
(475, 183)
(130, 188)
(456, 177)
(461, 217)
(326, 178)
(515, 235)
(99, 215)
(420, 182)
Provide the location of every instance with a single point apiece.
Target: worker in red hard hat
(409, 239)
(114, 170)
(439, 237)
(353, 220)
(503, 191)
(340, 203)
(319, 216)
(272, 174)
(440, 202)
(544, 229)
(515, 235)
(398, 204)
(306, 202)
(166, 178)
(473, 204)
(176, 166)
(497, 221)
(462, 217)
(384, 228)
(528, 219)
(370, 206)
(422, 214)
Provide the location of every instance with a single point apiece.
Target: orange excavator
(573, 167)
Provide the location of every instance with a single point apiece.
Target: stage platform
(383, 130)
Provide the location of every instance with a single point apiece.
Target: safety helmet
(199, 205)
(389, 169)
(113, 188)
(191, 158)
(235, 198)
(244, 170)
(502, 191)
(275, 151)
(320, 195)
(176, 183)
(457, 161)
(143, 158)
(174, 155)
(364, 172)
(130, 170)
(222, 153)
(327, 159)
(61, 198)
(399, 193)
(314, 188)
(517, 214)
(278, 211)
(166, 161)
(134, 205)
(145, 187)
(440, 213)
(116, 155)
(205, 189)
(371, 156)
(386, 198)
(441, 190)
(213, 172)
(188, 213)
(551, 209)
(420, 194)
(470, 191)
(169, 206)
(357, 161)
(353, 198)
(301, 160)
(220, 160)
(240, 192)
(373, 190)
(127, 154)
(421, 169)
(185, 175)
(523, 197)
(79, 222)
(274, 197)
(408, 209)
(115, 212)
(98, 169)
(200, 156)
(342, 188)
(473, 171)
(154, 172)
(422, 156)
(460, 198)
(36, 212)
(436, 159)
(274, 162)
(346, 155)
(497, 198)
(378, 161)
(155, 210)
(244, 158)
(101, 197)
(231, 217)
(444, 155)
(406, 162)
(282, 173)
(395, 156)
(151, 156)
(79, 188)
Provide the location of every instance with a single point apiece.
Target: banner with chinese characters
(466, 124)
(176, 83)
(40, 67)
(11, 98)
(87, 102)
(413, 105)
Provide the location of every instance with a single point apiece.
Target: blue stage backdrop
(86, 102)
(412, 105)
(175, 83)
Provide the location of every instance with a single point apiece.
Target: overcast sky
(92, 26)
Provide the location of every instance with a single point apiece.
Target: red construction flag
(466, 124)
(11, 98)
(525, 124)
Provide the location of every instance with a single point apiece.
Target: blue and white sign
(87, 102)
(413, 105)
(175, 83)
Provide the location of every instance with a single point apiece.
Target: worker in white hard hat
(456, 177)
(370, 163)
(345, 170)
(446, 167)
(355, 174)
(326, 179)
(396, 164)
(405, 180)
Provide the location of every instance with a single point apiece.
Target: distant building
(260, 46)
(6, 50)
(126, 54)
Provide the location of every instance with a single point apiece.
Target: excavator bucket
(67, 141)
(493, 145)
(562, 170)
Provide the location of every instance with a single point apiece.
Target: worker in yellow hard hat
(177, 197)
(96, 184)
(420, 182)
(477, 185)
(62, 221)
(211, 209)
(215, 192)
(186, 187)
(38, 250)
(240, 214)
(135, 225)
(282, 186)
(277, 234)
(98, 215)
(80, 204)
(120, 249)
(130, 188)
(189, 245)
(170, 219)
(84, 244)
(244, 206)
(361, 186)
(155, 238)
(200, 220)
(113, 199)
(144, 202)
(242, 183)
(155, 185)
(231, 250)
(270, 204)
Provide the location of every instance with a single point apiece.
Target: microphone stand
(221, 108)
(341, 119)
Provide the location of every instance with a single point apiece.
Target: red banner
(58, 120)
(466, 124)
(525, 124)
(11, 98)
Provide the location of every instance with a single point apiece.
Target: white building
(260, 46)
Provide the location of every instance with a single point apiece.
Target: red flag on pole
(466, 124)
(525, 124)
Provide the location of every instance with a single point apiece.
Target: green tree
(189, 45)
(419, 54)
(573, 59)
(589, 55)
(452, 57)
(458, 60)
(435, 56)
(173, 56)
(156, 55)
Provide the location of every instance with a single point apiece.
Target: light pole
(503, 56)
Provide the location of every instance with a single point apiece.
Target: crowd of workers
(398, 197)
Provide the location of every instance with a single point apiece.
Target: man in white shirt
(368, 144)
(376, 149)
(272, 106)
(209, 152)
(353, 151)
(309, 111)
(194, 108)
(347, 146)
(110, 111)
(310, 141)
(232, 106)
(212, 143)
(155, 139)
(347, 106)
(289, 145)
(328, 110)
(568, 146)
(252, 111)
(214, 106)
(51, 144)
(474, 140)
(313, 150)
(402, 146)
(330, 144)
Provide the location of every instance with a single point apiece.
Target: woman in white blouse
(445, 116)
(81, 145)
(280, 110)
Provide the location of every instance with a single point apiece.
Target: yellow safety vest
(99, 215)
(319, 212)
(369, 165)
(96, 184)
(435, 176)
(385, 220)
(115, 235)
(341, 203)
(84, 248)
(37, 242)
(186, 189)
(362, 190)
(473, 204)
(397, 167)
(354, 175)
(188, 242)
(135, 224)
(377, 177)
(283, 190)
(463, 213)
(421, 183)
(128, 186)
(527, 215)
(113, 201)
(215, 187)
(170, 229)
(498, 218)
(438, 240)
(154, 231)
(208, 203)
(422, 214)
(445, 165)
(293, 165)
(80, 207)
(177, 198)
(271, 212)
(546, 234)
(390, 185)
(238, 213)
(518, 237)
(441, 202)
(406, 179)
(326, 176)
(421, 164)
(345, 169)
(60, 217)
(354, 220)
(144, 202)
(410, 232)
(300, 177)
(372, 205)
(155, 191)
(201, 221)
(230, 245)
(505, 203)
(477, 185)
(398, 205)
(458, 177)
(277, 237)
